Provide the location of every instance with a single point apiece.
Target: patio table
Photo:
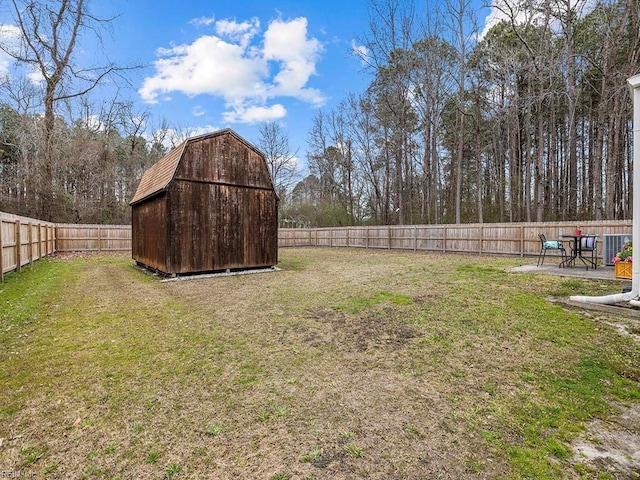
(576, 250)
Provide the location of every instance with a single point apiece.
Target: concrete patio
(601, 273)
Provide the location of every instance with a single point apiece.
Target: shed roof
(160, 174)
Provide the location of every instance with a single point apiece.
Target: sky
(211, 64)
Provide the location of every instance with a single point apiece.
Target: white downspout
(631, 296)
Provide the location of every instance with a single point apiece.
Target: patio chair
(550, 245)
(589, 243)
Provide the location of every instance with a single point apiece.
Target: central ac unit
(612, 244)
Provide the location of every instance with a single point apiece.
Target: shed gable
(225, 159)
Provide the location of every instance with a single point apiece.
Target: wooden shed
(208, 205)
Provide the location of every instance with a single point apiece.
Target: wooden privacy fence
(23, 240)
(481, 238)
(72, 237)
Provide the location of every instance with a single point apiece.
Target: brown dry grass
(345, 364)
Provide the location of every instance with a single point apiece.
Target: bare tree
(49, 35)
(463, 28)
(274, 143)
(392, 33)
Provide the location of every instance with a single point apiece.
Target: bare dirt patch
(63, 256)
(612, 445)
(378, 329)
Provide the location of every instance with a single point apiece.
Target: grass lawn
(345, 364)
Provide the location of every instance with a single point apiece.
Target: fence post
(415, 238)
(444, 240)
(39, 241)
(1, 253)
(481, 238)
(99, 239)
(30, 242)
(18, 241)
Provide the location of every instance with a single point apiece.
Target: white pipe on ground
(632, 295)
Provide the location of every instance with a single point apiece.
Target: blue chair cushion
(552, 245)
(588, 243)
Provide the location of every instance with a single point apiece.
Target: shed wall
(217, 226)
(149, 229)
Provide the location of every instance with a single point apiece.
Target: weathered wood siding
(149, 232)
(220, 212)
(223, 159)
(215, 227)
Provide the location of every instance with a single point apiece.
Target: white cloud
(241, 33)
(35, 76)
(93, 122)
(207, 66)
(295, 164)
(523, 12)
(171, 137)
(139, 122)
(247, 70)
(10, 38)
(503, 10)
(287, 44)
(361, 52)
(202, 21)
(254, 114)
(202, 130)
(198, 111)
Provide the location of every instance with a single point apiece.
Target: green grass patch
(360, 303)
(215, 430)
(23, 294)
(173, 470)
(411, 431)
(153, 457)
(31, 454)
(481, 272)
(280, 476)
(312, 455)
(346, 361)
(354, 450)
